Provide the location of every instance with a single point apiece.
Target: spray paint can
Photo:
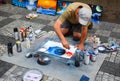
(18, 46)
(10, 49)
(27, 44)
(77, 58)
(21, 37)
(16, 34)
(93, 58)
(86, 58)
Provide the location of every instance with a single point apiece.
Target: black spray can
(10, 49)
(16, 34)
(18, 46)
(77, 58)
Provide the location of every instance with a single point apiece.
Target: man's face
(77, 15)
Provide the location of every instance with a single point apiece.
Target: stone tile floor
(12, 16)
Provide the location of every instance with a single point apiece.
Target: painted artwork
(96, 13)
(56, 49)
(47, 7)
(61, 6)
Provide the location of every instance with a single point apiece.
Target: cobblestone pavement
(12, 16)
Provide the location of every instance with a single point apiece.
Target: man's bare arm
(60, 35)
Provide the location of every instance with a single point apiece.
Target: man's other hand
(66, 44)
(80, 46)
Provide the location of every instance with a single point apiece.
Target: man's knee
(64, 30)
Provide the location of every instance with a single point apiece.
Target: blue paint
(55, 50)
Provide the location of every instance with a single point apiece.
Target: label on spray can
(18, 46)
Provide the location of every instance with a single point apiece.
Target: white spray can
(86, 58)
(27, 43)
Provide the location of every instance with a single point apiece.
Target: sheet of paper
(53, 44)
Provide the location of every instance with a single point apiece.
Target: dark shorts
(72, 27)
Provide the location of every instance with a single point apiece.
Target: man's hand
(65, 44)
(80, 46)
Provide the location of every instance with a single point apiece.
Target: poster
(47, 7)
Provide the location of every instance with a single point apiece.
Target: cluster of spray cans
(23, 34)
(89, 55)
(85, 56)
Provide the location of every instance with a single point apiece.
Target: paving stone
(54, 79)
(103, 33)
(6, 67)
(92, 31)
(111, 77)
(16, 16)
(44, 78)
(51, 24)
(13, 68)
(115, 34)
(19, 79)
(5, 14)
(112, 58)
(117, 78)
(106, 26)
(19, 70)
(2, 18)
(41, 21)
(47, 17)
(116, 30)
(6, 21)
(96, 26)
(117, 60)
(50, 78)
(47, 28)
(98, 78)
(108, 57)
(103, 38)
(110, 67)
(1, 79)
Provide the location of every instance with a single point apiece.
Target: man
(75, 18)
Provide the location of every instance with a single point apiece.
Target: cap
(84, 15)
